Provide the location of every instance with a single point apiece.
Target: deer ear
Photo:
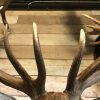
(97, 49)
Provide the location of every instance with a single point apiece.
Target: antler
(76, 84)
(26, 84)
(39, 61)
(3, 6)
(71, 82)
(90, 75)
(93, 19)
(24, 75)
(96, 29)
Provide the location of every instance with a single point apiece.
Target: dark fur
(97, 49)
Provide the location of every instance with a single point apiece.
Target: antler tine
(39, 60)
(24, 75)
(2, 11)
(93, 19)
(95, 28)
(88, 73)
(76, 63)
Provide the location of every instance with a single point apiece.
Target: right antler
(26, 84)
(90, 75)
(76, 84)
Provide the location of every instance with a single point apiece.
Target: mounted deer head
(35, 88)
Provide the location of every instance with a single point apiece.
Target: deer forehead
(54, 96)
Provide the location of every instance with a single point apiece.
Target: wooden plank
(11, 19)
(56, 19)
(46, 39)
(49, 52)
(53, 67)
(46, 29)
(78, 12)
(52, 81)
(95, 12)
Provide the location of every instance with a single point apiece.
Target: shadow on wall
(74, 19)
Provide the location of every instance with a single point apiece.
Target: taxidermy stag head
(35, 88)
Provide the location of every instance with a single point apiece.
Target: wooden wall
(59, 34)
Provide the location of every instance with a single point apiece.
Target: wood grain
(78, 12)
(53, 67)
(45, 39)
(49, 52)
(56, 19)
(46, 29)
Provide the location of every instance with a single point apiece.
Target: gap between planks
(46, 29)
(48, 52)
(53, 67)
(47, 39)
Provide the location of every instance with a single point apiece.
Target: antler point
(82, 36)
(35, 29)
